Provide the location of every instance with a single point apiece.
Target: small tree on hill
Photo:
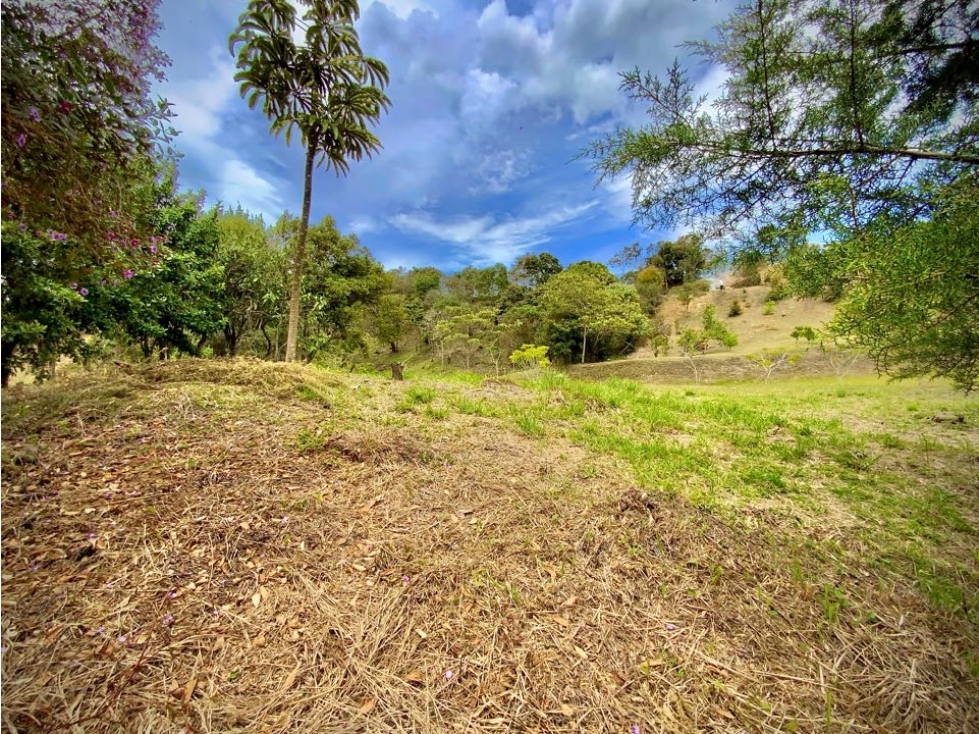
(714, 330)
(771, 361)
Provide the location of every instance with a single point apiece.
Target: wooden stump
(397, 371)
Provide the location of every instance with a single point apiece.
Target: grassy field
(253, 547)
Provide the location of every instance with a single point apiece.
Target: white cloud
(401, 8)
(497, 172)
(198, 103)
(619, 201)
(240, 183)
(363, 224)
(485, 239)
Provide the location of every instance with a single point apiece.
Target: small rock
(948, 418)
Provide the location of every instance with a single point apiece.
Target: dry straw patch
(182, 565)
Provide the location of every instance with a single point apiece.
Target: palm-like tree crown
(324, 87)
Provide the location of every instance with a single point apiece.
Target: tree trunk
(584, 343)
(8, 351)
(268, 341)
(231, 337)
(299, 258)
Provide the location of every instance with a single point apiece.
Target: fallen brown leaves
(418, 579)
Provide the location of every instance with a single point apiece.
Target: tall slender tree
(324, 87)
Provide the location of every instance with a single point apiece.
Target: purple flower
(114, 214)
(108, 495)
(35, 115)
(83, 291)
(448, 675)
(172, 595)
(100, 631)
(91, 536)
(671, 628)
(405, 579)
(109, 585)
(168, 620)
(21, 227)
(21, 140)
(74, 286)
(127, 274)
(122, 639)
(153, 249)
(65, 107)
(634, 729)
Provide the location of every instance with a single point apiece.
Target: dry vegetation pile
(240, 547)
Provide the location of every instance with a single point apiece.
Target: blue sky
(491, 101)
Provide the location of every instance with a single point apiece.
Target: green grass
(817, 448)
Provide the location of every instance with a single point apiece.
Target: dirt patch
(711, 368)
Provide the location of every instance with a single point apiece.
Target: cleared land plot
(241, 546)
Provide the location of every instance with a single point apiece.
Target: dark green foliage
(254, 279)
(913, 299)
(681, 261)
(42, 317)
(479, 285)
(736, 309)
(341, 278)
(650, 284)
(585, 313)
(176, 303)
(533, 270)
(391, 319)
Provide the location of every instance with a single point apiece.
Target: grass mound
(220, 550)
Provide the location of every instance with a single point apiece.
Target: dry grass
(192, 555)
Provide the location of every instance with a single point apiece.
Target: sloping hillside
(254, 547)
(755, 329)
(758, 328)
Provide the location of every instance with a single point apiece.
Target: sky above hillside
(490, 104)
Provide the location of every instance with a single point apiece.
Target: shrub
(769, 308)
(530, 356)
(804, 332)
(736, 309)
(780, 289)
(771, 361)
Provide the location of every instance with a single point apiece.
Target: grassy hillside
(755, 329)
(254, 547)
(758, 329)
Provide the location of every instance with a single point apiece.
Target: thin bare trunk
(295, 297)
